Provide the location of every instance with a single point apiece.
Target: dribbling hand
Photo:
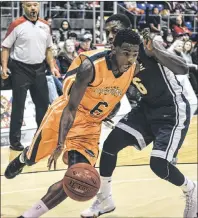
(54, 156)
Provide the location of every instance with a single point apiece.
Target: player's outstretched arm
(175, 63)
(85, 75)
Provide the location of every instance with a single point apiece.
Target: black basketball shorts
(166, 127)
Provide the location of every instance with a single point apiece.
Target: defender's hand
(109, 123)
(147, 39)
(54, 156)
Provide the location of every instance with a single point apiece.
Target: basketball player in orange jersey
(95, 83)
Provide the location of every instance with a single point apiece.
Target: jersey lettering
(139, 85)
(97, 110)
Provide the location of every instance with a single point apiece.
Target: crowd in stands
(174, 31)
(67, 45)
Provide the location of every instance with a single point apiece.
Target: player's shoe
(100, 206)
(191, 203)
(18, 147)
(15, 167)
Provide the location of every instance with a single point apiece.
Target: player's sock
(105, 187)
(188, 185)
(37, 210)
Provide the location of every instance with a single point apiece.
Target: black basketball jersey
(157, 84)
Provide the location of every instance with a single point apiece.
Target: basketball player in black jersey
(162, 117)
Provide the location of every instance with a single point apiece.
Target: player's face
(126, 55)
(112, 29)
(31, 9)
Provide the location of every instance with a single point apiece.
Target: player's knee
(159, 166)
(110, 147)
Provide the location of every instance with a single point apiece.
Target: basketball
(81, 182)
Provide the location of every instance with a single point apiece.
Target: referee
(28, 43)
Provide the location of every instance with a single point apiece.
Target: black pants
(27, 77)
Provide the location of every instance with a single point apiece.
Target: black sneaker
(14, 168)
(21, 217)
(17, 147)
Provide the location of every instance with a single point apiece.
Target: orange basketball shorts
(82, 137)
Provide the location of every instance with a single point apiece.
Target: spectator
(98, 33)
(190, 9)
(85, 43)
(193, 68)
(132, 7)
(195, 54)
(67, 55)
(28, 45)
(178, 7)
(165, 14)
(73, 37)
(195, 59)
(63, 30)
(49, 21)
(168, 38)
(180, 28)
(53, 86)
(154, 21)
(177, 49)
(187, 50)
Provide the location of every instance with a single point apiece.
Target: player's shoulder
(95, 55)
(93, 52)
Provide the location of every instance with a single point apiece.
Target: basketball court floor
(136, 190)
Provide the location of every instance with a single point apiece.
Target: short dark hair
(72, 34)
(120, 17)
(127, 36)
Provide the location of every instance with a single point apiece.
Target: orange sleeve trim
(43, 21)
(14, 24)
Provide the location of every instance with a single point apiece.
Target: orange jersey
(104, 92)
